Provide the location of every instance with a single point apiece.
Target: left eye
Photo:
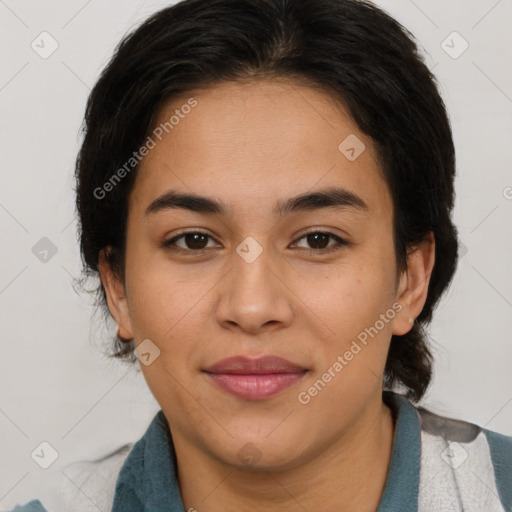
(320, 238)
(195, 241)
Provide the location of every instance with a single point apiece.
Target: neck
(352, 471)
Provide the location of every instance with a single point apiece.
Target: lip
(255, 379)
(264, 365)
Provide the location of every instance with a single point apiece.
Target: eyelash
(170, 244)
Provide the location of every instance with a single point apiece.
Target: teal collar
(148, 480)
(403, 481)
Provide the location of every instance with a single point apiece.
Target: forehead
(267, 139)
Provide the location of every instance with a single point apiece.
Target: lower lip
(255, 387)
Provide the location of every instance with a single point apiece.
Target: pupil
(312, 241)
(194, 238)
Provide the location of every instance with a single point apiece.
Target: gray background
(55, 384)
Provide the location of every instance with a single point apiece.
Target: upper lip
(263, 365)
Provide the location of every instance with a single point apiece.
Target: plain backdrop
(56, 386)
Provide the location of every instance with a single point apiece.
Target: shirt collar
(402, 483)
(148, 479)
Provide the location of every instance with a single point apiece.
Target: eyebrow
(324, 198)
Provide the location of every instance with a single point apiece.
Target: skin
(250, 145)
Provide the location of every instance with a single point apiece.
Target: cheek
(351, 304)
(351, 359)
(350, 298)
(168, 311)
(160, 295)
(168, 307)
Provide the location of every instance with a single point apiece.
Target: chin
(259, 453)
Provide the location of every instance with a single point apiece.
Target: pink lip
(255, 379)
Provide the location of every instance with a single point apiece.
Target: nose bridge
(252, 274)
(254, 295)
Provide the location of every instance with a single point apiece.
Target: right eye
(194, 241)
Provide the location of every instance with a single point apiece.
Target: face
(259, 274)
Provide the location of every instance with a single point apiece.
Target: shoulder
(468, 466)
(81, 486)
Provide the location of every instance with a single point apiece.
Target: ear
(116, 295)
(413, 287)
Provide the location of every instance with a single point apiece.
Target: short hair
(350, 49)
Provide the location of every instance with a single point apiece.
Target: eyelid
(325, 231)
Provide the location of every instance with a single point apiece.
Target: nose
(254, 295)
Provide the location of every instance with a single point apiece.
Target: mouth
(255, 379)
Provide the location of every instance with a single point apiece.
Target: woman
(265, 190)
